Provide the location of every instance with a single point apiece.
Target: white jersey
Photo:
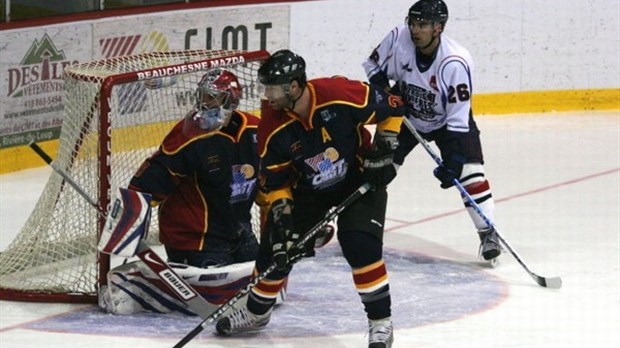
(438, 96)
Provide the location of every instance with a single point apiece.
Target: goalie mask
(217, 95)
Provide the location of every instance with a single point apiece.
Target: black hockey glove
(379, 169)
(451, 169)
(281, 233)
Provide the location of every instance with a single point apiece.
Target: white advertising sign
(245, 28)
(33, 59)
(31, 86)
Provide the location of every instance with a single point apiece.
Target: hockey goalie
(203, 178)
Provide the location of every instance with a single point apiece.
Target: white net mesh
(54, 256)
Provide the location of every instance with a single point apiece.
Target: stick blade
(551, 283)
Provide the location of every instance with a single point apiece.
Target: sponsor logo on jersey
(421, 101)
(328, 170)
(326, 115)
(214, 161)
(243, 182)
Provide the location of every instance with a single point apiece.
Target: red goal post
(116, 112)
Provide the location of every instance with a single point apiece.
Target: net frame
(29, 256)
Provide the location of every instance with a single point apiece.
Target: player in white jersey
(433, 75)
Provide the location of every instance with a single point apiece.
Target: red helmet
(220, 84)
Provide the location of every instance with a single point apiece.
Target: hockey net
(112, 122)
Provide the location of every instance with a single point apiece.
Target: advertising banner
(244, 28)
(33, 59)
(31, 85)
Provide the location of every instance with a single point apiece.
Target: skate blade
(492, 263)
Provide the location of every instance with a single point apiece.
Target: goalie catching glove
(379, 168)
(282, 234)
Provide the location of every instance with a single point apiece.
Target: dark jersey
(206, 182)
(323, 153)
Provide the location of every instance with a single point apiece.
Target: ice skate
(380, 333)
(242, 320)
(490, 248)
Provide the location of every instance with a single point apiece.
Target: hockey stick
(185, 292)
(553, 282)
(48, 160)
(331, 214)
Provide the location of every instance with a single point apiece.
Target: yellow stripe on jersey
(391, 124)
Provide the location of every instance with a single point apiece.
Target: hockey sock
(264, 295)
(373, 287)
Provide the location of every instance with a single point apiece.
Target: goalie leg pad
(134, 288)
(129, 291)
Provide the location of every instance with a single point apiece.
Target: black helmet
(429, 10)
(282, 68)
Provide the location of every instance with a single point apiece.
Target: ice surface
(555, 178)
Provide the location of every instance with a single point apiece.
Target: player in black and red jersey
(204, 175)
(204, 178)
(315, 151)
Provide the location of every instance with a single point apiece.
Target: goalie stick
(332, 214)
(553, 282)
(185, 292)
